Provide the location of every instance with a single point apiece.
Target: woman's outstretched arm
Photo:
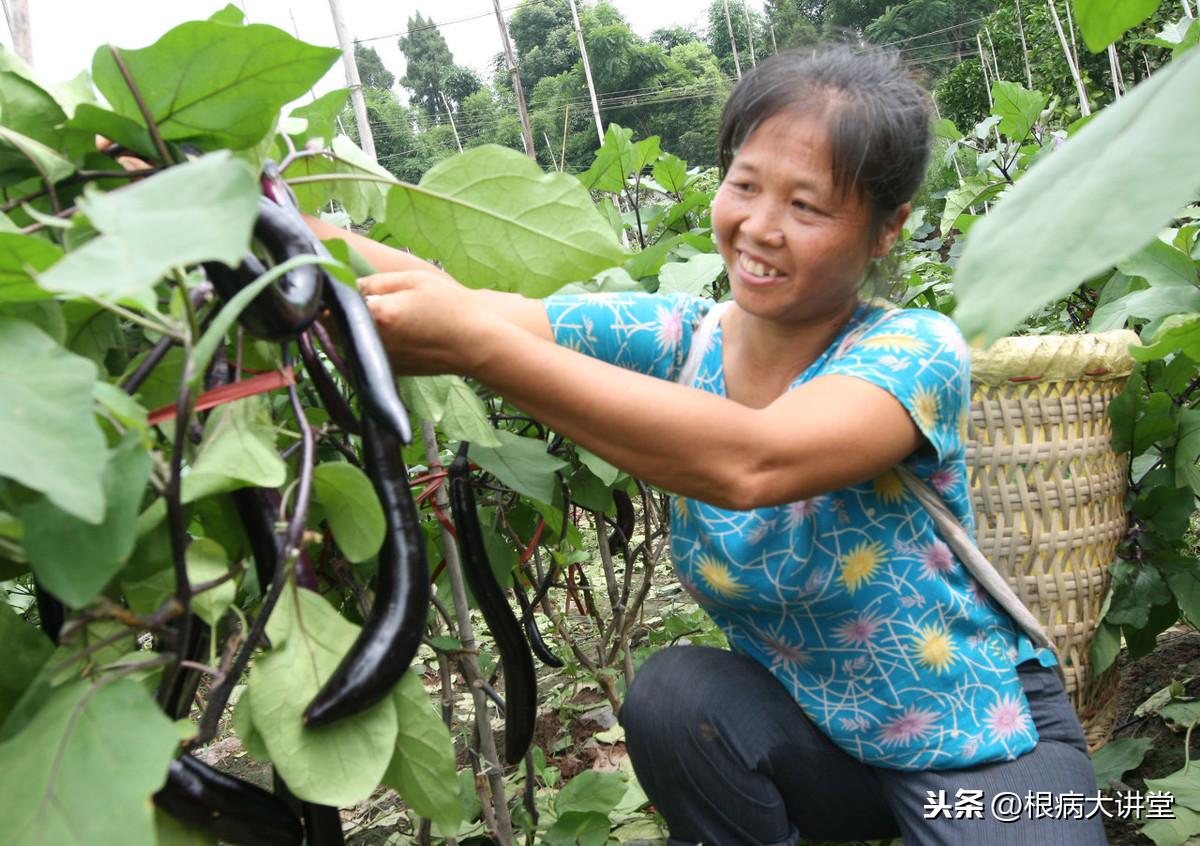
(520, 311)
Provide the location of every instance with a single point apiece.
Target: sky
(67, 32)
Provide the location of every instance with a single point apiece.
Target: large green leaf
(1018, 108)
(422, 770)
(340, 764)
(205, 79)
(1096, 201)
(74, 559)
(449, 402)
(321, 115)
(1187, 450)
(1104, 21)
(20, 254)
(522, 464)
(28, 108)
(1118, 757)
(1178, 333)
(692, 276)
(495, 220)
(591, 791)
(352, 508)
(671, 173)
(199, 211)
(82, 772)
(238, 450)
(49, 439)
(126, 131)
(614, 161)
(1161, 264)
(26, 649)
(22, 157)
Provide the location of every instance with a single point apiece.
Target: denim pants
(729, 759)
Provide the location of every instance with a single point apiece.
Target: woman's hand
(428, 322)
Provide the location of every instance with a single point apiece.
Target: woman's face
(795, 247)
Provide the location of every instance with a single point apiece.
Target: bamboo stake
(992, 49)
(450, 114)
(1084, 108)
(562, 156)
(1112, 69)
(774, 46)
(526, 130)
(749, 33)
(1024, 48)
(550, 150)
(587, 72)
(984, 64)
(365, 139)
(18, 25)
(470, 664)
(732, 41)
(1071, 32)
(1187, 10)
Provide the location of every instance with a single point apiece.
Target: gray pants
(728, 758)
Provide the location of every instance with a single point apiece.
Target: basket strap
(700, 339)
(952, 531)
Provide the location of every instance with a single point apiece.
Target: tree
(792, 23)
(428, 60)
(717, 37)
(371, 71)
(669, 37)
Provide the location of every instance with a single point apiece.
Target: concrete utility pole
(17, 12)
(365, 139)
(526, 130)
(587, 72)
(732, 41)
(450, 114)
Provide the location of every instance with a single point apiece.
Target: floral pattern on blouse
(850, 598)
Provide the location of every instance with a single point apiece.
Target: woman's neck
(763, 357)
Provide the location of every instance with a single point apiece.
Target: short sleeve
(649, 333)
(919, 356)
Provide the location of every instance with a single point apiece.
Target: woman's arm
(825, 435)
(520, 311)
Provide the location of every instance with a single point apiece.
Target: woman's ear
(890, 230)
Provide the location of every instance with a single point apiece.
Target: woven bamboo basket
(1048, 490)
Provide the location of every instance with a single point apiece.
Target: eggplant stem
(159, 144)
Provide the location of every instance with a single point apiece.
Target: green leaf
(1178, 333)
(1178, 830)
(22, 156)
(231, 15)
(207, 560)
(1155, 421)
(169, 831)
(1017, 107)
(243, 725)
(92, 331)
(646, 153)
(649, 261)
(1096, 201)
(127, 410)
(49, 440)
(590, 792)
(28, 108)
(1167, 510)
(352, 508)
(690, 277)
(322, 113)
(465, 418)
(495, 220)
(422, 770)
(1118, 757)
(1135, 589)
(75, 559)
(577, 828)
(340, 764)
(604, 471)
(1105, 646)
(20, 257)
(1104, 21)
(82, 771)
(671, 173)
(1161, 264)
(613, 163)
(205, 79)
(199, 211)
(26, 649)
(1187, 450)
(1147, 304)
(973, 191)
(238, 450)
(129, 133)
(521, 464)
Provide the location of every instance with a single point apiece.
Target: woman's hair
(877, 114)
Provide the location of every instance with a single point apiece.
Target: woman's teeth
(756, 267)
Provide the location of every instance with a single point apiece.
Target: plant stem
(76, 178)
(159, 144)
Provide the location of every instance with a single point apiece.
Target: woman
(872, 689)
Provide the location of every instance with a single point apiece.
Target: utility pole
(365, 139)
(774, 46)
(450, 114)
(749, 33)
(17, 12)
(732, 41)
(526, 130)
(587, 72)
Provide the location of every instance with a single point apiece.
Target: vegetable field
(256, 590)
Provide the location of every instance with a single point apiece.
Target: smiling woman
(867, 666)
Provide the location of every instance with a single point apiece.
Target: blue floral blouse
(850, 598)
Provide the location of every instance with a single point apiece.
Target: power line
(431, 25)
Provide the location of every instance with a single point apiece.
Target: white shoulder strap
(700, 338)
